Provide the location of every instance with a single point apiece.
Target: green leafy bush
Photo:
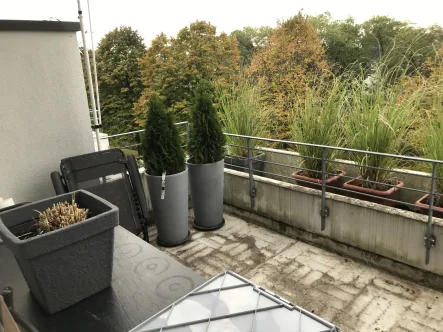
(206, 139)
(161, 145)
(318, 121)
(242, 113)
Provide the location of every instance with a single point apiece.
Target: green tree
(206, 140)
(172, 67)
(341, 41)
(379, 33)
(400, 45)
(161, 144)
(119, 77)
(396, 42)
(250, 40)
(413, 46)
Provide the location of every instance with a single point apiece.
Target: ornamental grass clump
(242, 113)
(318, 120)
(379, 119)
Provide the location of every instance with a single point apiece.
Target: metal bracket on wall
(430, 237)
(430, 241)
(252, 189)
(324, 212)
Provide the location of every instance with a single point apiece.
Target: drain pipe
(96, 125)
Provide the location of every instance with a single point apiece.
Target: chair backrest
(106, 174)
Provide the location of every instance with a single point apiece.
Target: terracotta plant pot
(315, 183)
(355, 185)
(424, 207)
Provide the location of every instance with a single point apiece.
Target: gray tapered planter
(70, 264)
(206, 182)
(170, 213)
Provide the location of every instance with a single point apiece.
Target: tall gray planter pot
(171, 212)
(67, 265)
(207, 183)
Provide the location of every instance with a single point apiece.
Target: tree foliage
(347, 43)
(119, 77)
(206, 139)
(292, 61)
(379, 33)
(414, 46)
(341, 41)
(430, 109)
(250, 40)
(172, 67)
(162, 150)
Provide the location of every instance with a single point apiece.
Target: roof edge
(24, 25)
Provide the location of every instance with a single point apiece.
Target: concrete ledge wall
(392, 233)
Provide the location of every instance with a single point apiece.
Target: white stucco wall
(44, 113)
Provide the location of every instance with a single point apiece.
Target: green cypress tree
(161, 145)
(206, 140)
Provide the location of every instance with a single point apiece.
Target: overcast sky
(169, 16)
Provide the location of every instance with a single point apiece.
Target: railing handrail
(411, 158)
(429, 237)
(138, 131)
(124, 134)
(337, 148)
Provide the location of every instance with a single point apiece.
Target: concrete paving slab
(346, 292)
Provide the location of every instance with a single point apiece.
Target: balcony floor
(348, 293)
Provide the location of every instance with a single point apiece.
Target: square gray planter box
(242, 164)
(65, 266)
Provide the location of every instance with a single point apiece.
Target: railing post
(252, 190)
(187, 136)
(430, 237)
(324, 209)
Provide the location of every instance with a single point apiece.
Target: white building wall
(44, 113)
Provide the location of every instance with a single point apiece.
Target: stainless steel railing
(132, 134)
(251, 155)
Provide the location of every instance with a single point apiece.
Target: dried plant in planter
(58, 216)
(61, 215)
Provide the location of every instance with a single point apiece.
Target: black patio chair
(109, 175)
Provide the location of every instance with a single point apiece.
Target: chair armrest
(137, 184)
(57, 183)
